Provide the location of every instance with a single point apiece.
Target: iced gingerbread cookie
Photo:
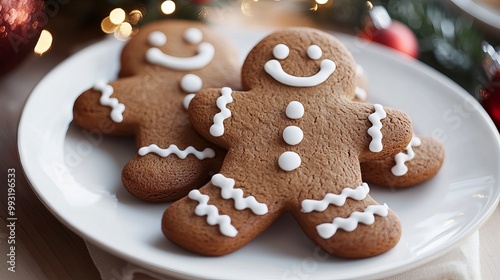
(294, 139)
(418, 162)
(162, 68)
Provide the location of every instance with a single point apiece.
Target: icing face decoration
(206, 51)
(281, 51)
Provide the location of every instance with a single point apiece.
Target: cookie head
(175, 46)
(300, 60)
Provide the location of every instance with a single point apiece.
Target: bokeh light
(168, 7)
(107, 26)
(134, 17)
(117, 16)
(44, 42)
(123, 31)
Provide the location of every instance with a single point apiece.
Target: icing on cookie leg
(367, 217)
(359, 193)
(173, 149)
(212, 213)
(229, 192)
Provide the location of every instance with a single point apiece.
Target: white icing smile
(206, 51)
(281, 51)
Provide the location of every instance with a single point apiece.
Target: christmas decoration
(21, 22)
(382, 29)
(123, 18)
(446, 41)
(490, 92)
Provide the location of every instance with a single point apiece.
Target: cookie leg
(357, 229)
(155, 178)
(206, 223)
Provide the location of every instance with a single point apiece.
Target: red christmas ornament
(381, 29)
(490, 93)
(21, 22)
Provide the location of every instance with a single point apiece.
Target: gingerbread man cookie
(294, 141)
(162, 68)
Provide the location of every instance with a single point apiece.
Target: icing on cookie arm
(210, 113)
(388, 131)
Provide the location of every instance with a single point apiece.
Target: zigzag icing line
(217, 129)
(400, 168)
(173, 149)
(359, 193)
(327, 230)
(229, 192)
(117, 108)
(212, 213)
(374, 131)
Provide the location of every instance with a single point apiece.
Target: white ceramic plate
(77, 175)
(482, 10)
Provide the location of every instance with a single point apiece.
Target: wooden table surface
(45, 249)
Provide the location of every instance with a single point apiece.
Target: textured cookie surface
(162, 67)
(294, 141)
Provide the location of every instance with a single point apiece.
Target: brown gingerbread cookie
(161, 69)
(294, 139)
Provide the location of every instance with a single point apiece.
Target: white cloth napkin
(461, 263)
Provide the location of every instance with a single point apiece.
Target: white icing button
(157, 39)
(191, 83)
(360, 93)
(295, 110)
(193, 35)
(281, 51)
(187, 100)
(314, 52)
(359, 70)
(289, 161)
(293, 135)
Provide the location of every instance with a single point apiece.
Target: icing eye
(314, 52)
(281, 51)
(157, 39)
(193, 35)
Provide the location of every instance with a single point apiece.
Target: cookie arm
(104, 108)
(388, 131)
(210, 114)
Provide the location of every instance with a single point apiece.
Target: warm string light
(321, 2)
(168, 7)
(121, 25)
(44, 42)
